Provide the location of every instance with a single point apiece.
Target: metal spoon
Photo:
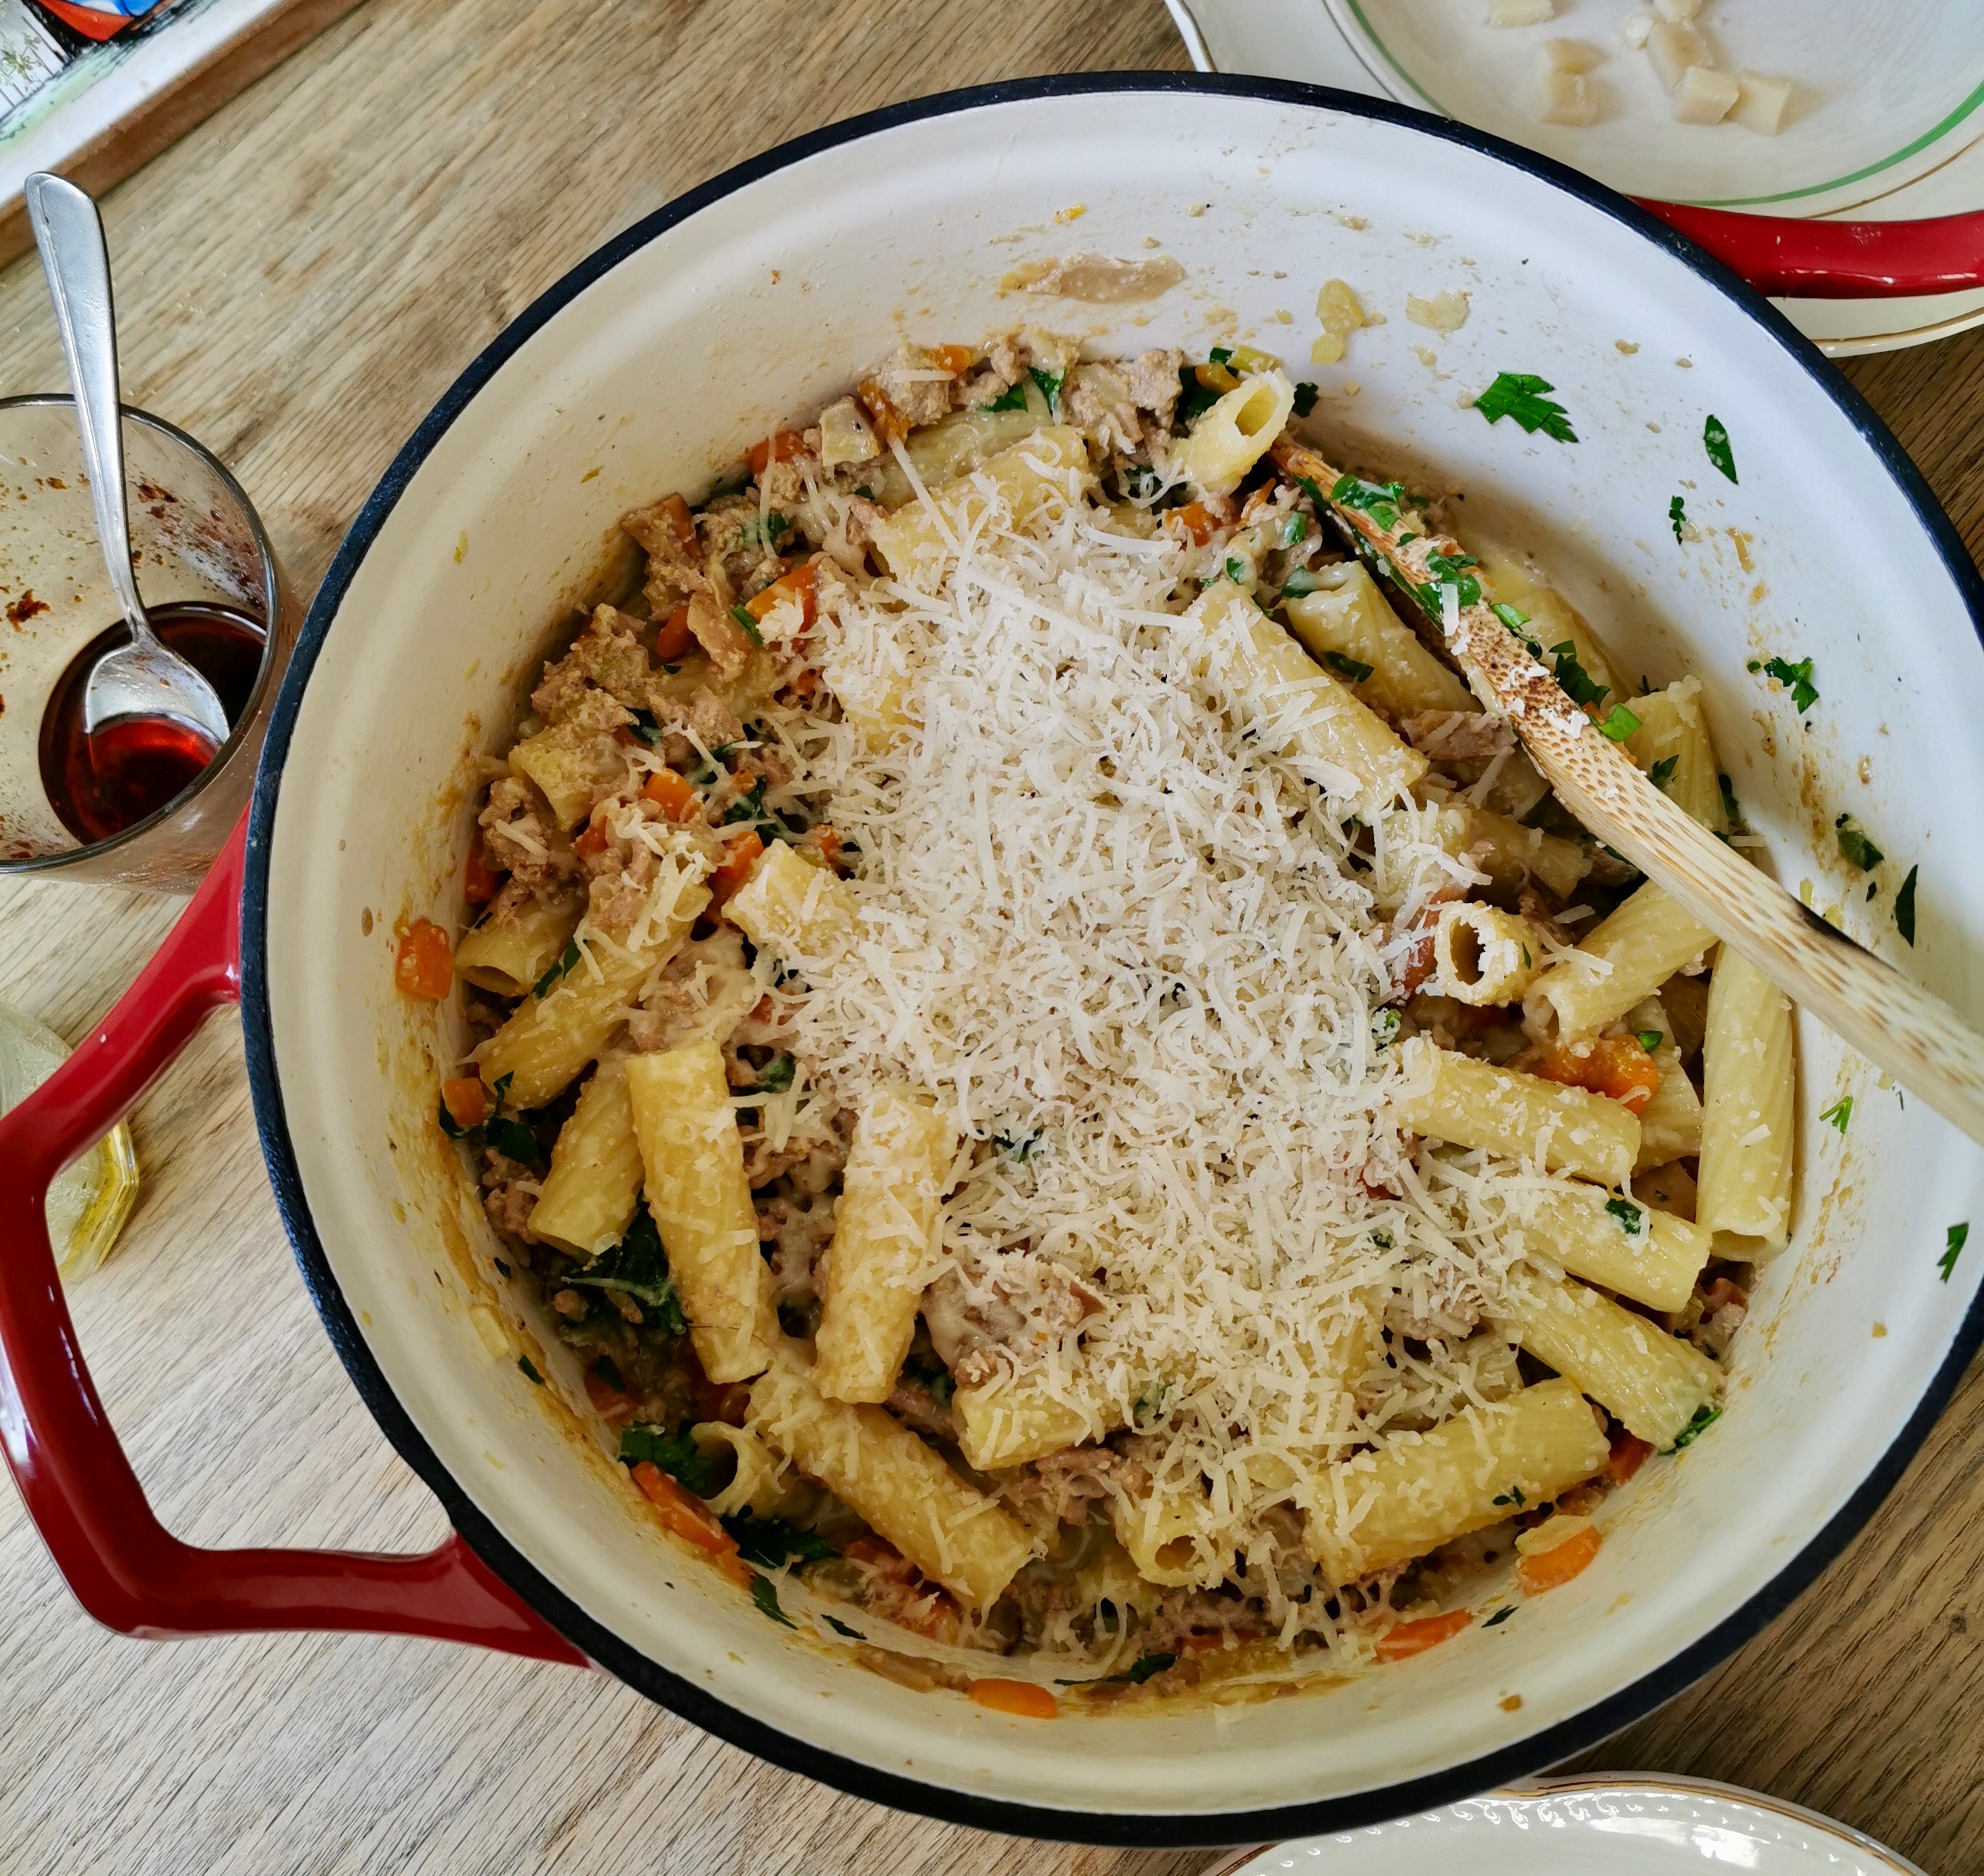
(142, 678)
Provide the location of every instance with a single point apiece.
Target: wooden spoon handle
(1896, 1024)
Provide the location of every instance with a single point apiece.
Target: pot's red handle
(125, 1567)
(1838, 261)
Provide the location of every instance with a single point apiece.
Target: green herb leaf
(636, 1265)
(742, 614)
(1662, 772)
(1499, 1616)
(1840, 1113)
(675, 1453)
(1451, 571)
(1513, 1496)
(772, 1543)
(567, 961)
(1381, 500)
(1220, 355)
(449, 1125)
(1947, 1262)
(1619, 724)
(1731, 812)
(1293, 528)
(1150, 1402)
(1519, 394)
(1382, 1240)
(1905, 908)
(1236, 570)
(1648, 1039)
(530, 1372)
(1805, 693)
(1677, 518)
(1049, 382)
(1305, 398)
(1018, 1146)
(512, 1139)
(1141, 1670)
(1014, 398)
(646, 727)
(1860, 851)
(868, 494)
(765, 533)
(748, 807)
(1194, 399)
(767, 1599)
(1632, 1218)
(841, 1628)
(1574, 676)
(1513, 617)
(1705, 1417)
(1349, 667)
(776, 1075)
(1384, 1027)
(1715, 441)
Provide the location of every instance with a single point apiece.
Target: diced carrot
(673, 641)
(466, 1100)
(592, 842)
(952, 358)
(1615, 1066)
(479, 881)
(613, 1406)
(423, 962)
(680, 522)
(1026, 1698)
(1549, 1570)
(671, 793)
(682, 1513)
(1193, 521)
(890, 424)
(741, 853)
(731, 1565)
(1629, 1453)
(1404, 1639)
(797, 585)
(781, 447)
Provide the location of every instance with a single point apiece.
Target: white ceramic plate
(1890, 116)
(1590, 1827)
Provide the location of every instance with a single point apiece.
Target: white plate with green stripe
(1886, 120)
(1602, 1825)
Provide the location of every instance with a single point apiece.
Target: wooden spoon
(1896, 1024)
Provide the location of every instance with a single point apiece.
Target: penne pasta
(791, 908)
(1347, 616)
(1484, 956)
(693, 1159)
(1672, 741)
(508, 959)
(871, 1277)
(1011, 1421)
(1230, 438)
(1628, 956)
(1170, 1538)
(1650, 1256)
(1749, 1075)
(588, 1196)
(1473, 1103)
(948, 1529)
(1051, 466)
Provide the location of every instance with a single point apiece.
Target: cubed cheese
(1568, 98)
(1520, 12)
(1703, 95)
(1760, 102)
(1573, 56)
(1673, 48)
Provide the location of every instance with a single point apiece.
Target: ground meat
(1449, 1313)
(737, 553)
(1025, 1305)
(675, 569)
(905, 380)
(1006, 357)
(700, 727)
(764, 1162)
(1464, 742)
(607, 654)
(509, 1207)
(621, 872)
(914, 1404)
(728, 643)
(1097, 401)
(705, 991)
(520, 837)
(1067, 1481)
(798, 1229)
(1534, 908)
(1152, 380)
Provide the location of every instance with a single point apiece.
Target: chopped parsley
(1731, 812)
(776, 1075)
(530, 1372)
(1450, 570)
(1519, 394)
(1294, 529)
(1014, 398)
(566, 962)
(646, 728)
(675, 1453)
(1353, 669)
(1381, 500)
(1150, 1402)
(841, 1628)
(1905, 908)
(1513, 1496)
(1648, 1039)
(1705, 1417)
(767, 1599)
(1515, 618)
(767, 533)
(1049, 382)
(742, 614)
(748, 807)
(1235, 570)
(1574, 678)
(1305, 398)
(1384, 1027)
(1194, 399)
(1805, 693)
(1662, 772)
(511, 1138)
(1500, 1615)
(1141, 1670)
(1677, 518)
(1861, 853)
(1382, 1240)
(772, 1542)
(1947, 1262)
(1018, 1147)
(449, 1125)
(1839, 1114)
(636, 1265)
(1619, 724)
(1632, 1218)
(1715, 441)
(1220, 355)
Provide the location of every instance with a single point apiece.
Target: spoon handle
(70, 236)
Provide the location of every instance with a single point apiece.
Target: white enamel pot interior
(744, 307)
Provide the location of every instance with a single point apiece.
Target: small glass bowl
(194, 537)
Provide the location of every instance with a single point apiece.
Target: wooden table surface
(298, 280)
